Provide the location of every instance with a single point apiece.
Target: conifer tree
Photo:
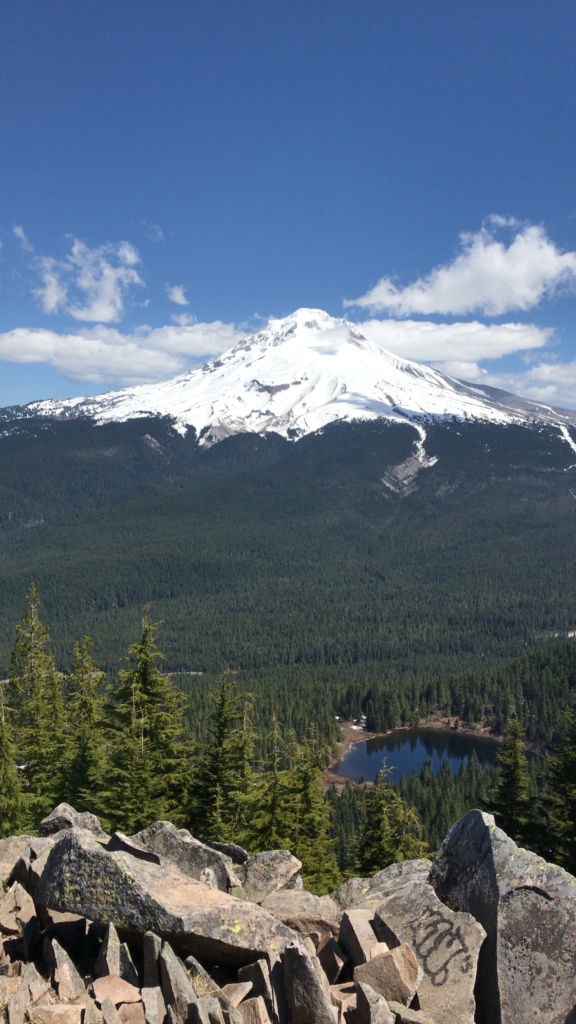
(271, 818)
(391, 831)
(12, 809)
(223, 780)
(87, 722)
(562, 794)
(147, 778)
(35, 690)
(509, 801)
(311, 841)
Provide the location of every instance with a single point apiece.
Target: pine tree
(86, 708)
(509, 801)
(562, 794)
(272, 812)
(391, 831)
(35, 691)
(12, 808)
(147, 778)
(311, 841)
(223, 783)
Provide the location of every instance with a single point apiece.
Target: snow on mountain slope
(295, 377)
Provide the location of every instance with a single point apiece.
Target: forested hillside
(295, 563)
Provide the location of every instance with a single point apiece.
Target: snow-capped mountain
(295, 377)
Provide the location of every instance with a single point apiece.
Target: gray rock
(33, 991)
(371, 1007)
(404, 1015)
(130, 844)
(206, 1011)
(177, 988)
(254, 1011)
(446, 945)
(332, 959)
(306, 987)
(192, 857)
(268, 982)
(395, 975)
(369, 892)
(114, 958)
(154, 1005)
(64, 817)
(82, 877)
(30, 864)
(236, 853)
(204, 984)
(476, 868)
(110, 1014)
(357, 936)
(16, 910)
(151, 949)
(11, 849)
(267, 872)
(304, 912)
(68, 982)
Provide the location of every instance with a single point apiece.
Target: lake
(406, 751)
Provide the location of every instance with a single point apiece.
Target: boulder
(371, 1007)
(114, 958)
(11, 849)
(68, 982)
(254, 1011)
(481, 871)
(115, 989)
(177, 988)
(132, 1013)
(61, 1013)
(237, 991)
(343, 998)
(154, 1005)
(151, 949)
(137, 896)
(304, 912)
(405, 1015)
(369, 892)
(267, 978)
(357, 936)
(236, 853)
(192, 857)
(33, 991)
(267, 872)
(395, 975)
(30, 864)
(16, 910)
(332, 959)
(306, 987)
(64, 817)
(446, 945)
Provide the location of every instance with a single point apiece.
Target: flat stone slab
(136, 896)
(446, 945)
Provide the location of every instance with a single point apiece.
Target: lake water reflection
(406, 751)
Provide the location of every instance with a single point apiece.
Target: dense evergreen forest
(304, 571)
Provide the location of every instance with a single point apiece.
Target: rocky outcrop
(527, 907)
(143, 929)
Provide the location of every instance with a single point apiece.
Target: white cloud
(550, 382)
(89, 284)
(177, 293)
(462, 342)
(486, 276)
(153, 231)
(105, 355)
(19, 233)
(183, 319)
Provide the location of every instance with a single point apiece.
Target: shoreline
(352, 734)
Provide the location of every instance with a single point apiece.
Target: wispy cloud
(20, 234)
(89, 284)
(177, 293)
(488, 276)
(153, 231)
(106, 355)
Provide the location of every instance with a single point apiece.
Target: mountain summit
(296, 376)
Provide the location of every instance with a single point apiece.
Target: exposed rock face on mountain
(133, 930)
(296, 376)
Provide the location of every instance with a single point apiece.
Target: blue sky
(172, 175)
